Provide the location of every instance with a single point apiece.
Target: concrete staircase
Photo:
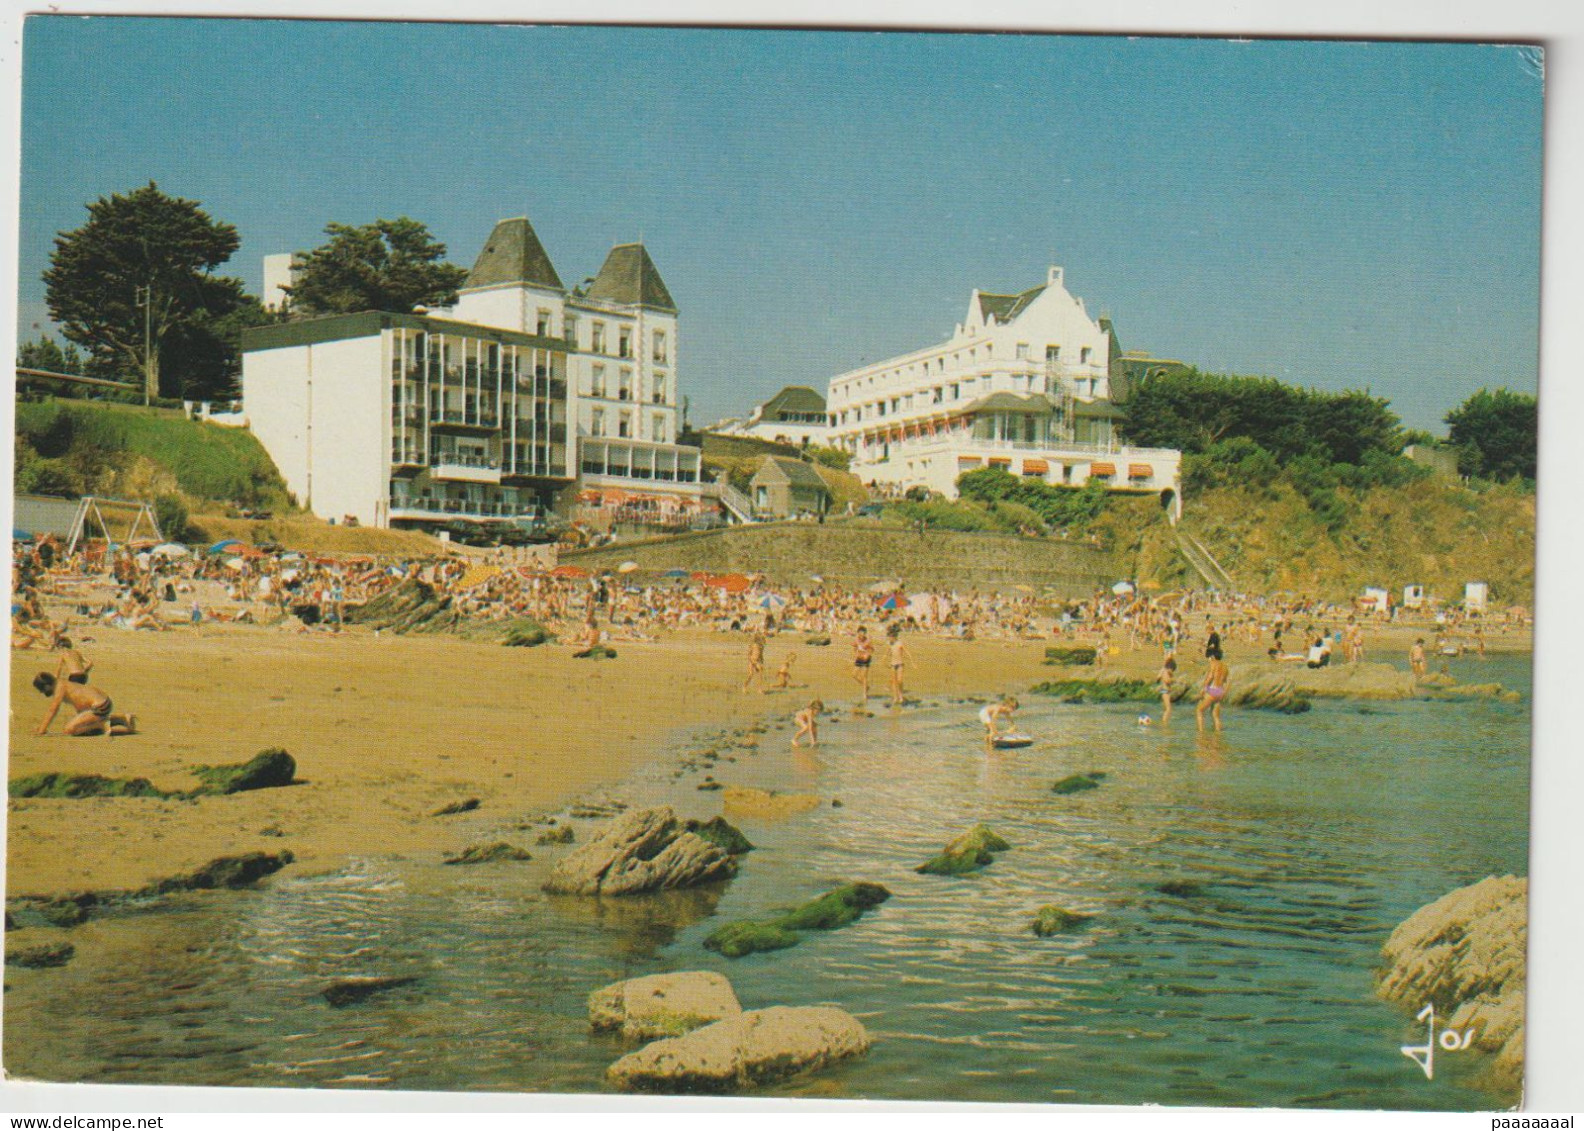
(1204, 563)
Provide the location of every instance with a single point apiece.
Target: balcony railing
(968, 444)
(463, 508)
(488, 419)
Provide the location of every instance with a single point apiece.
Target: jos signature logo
(1451, 1040)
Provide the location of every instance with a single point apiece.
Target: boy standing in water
(1164, 678)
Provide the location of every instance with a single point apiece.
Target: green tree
(47, 354)
(1497, 434)
(207, 354)
(393, 265)
(137, 274)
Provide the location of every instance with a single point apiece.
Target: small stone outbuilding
(784, 488)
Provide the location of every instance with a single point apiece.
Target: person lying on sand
(808, 723)
(92, 705)
(993, 715)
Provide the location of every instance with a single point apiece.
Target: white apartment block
(489, 408)
(1023, 384)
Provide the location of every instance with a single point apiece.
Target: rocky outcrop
(560, 835)
(966, 853)
(642, 850)
(455, 807)
(223, 872)
(1077, 783)
(1052, 920)
(488, 854)
(40, 957)
(739, 1052)
(1275, 694)
(836, 908)
(1070, 655)
(82, 785)
(345, 991)
(265, 770)
(765, 804)
(1464, 953)
(663, 1005)
(722, 835)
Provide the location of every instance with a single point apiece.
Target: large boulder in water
(836, 908)
(1464, 953)
(643, 850)
(739, 1052)
(663, 1005)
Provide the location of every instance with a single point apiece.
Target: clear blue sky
(1343, 215)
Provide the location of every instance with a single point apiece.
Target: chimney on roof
(1054, 279)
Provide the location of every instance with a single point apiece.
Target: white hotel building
(490, 408)
(1023, 384)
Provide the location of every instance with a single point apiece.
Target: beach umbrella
(731, 582)
(226, 545)
(569, 572)
(891, 602)
(170, 550)
(290, 574)
(702, 575)
(771, 601)
(675, 573)
(1122, 587)
(477, 575)
(21, 536)
(626, 567)
(296, 556)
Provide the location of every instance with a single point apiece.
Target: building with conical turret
(498, 405)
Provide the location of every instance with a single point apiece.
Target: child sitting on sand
(784, 672)
(808, 723)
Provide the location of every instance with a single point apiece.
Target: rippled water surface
(1311, 838)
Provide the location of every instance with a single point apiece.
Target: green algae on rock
(1077, 783)
(265, 770)
(966, 853)
(835, 908)
(488, 854)
(723, 835)
(83, 785)
(1052, 920)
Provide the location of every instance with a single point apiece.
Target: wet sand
(386, 729)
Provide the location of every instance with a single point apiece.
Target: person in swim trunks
(95, 713)
(1216, 682)
(863, 656)
(72, 666)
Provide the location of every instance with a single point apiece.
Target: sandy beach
(386, 729)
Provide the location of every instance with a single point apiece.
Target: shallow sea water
(1311, 836)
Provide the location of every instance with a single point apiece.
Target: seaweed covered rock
(223, 872)
(1464, 953)
(346, 991)
(488, 854)
(836, 908)
(1182, 889)
(642, 850)
(766, 804)
(82, 785)
(663, 1005)
(465, 806)
(966, 853)
(561, 835)
(40, 957)
(1072, 655)
(523, 633)
(1077, 783)
(750, 1048)
(722, 835)
(1103, 690)
(265, 770)
(1052, 920)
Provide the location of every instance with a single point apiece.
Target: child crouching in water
(808, 723)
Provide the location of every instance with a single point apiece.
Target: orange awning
(1140, 471)
(1102, 469)
(968, 459)
(1035, 467)
(1000, 461)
